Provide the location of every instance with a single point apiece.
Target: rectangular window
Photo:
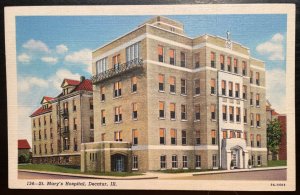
(91, 103)
(34, 136)
(253, 160)
(162, 136)
(118, 136)
(132, 52)
(172, 56)
(135, 136)
(116, 62)
(237, 90)
(134, 111)
(51, 145)
(75, 123)
(102, 136)
(103, 121)
(40, 149)
(224, 111)
(213, 137)
(173, 134)
(213, 111)
(197, 137)
(45, 121)
(244, 92)
(183, 87)
(39, 122)
(45, 134)
(184, 162)
(257, 99)
(135, 162)
(214, 160)
(257, 120)
(91, 122)
(230, 88)
(224, 134)
(251, 98)
(198, 162)
(174, 162)
(102, 93)
(117, 89)
(172, 111)
(251, 76)
(161, 110)
(235, 66)
(245, 115)
(74, 105)
(182, 59)
(197, 60)
(160, 51)
(257, 78)
(258, 140)
(75, 144)
(229, 64)
(172, 84)
(232, 134)
(183, 137)
(212, 60)
(231, 113)
(251, 119)
(163, 162)
(40, 136)
(212, 86)
(222, 62)
(238, 134)
(161, 82)
(259, 160)
(244, 68)
(33, 122)
(197, 86)
(238, 114)
(223, 87)
(101, 65)
(245, 136)
(252, 140)
(183, 112)
(197, 112)
(133, 84)
(46, 149)
(118, 114)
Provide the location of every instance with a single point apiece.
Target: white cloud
(60, 75)
(24, 58)
(27, 83)
(83, 57)
(276, 89)
(36, 45)
(50, 60)
(61, 49)
(273, 48)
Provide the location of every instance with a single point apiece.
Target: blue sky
(50, 48)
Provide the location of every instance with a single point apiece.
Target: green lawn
(275, 163)
(71, 169)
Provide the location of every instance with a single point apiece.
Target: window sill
(215, 168)
(258, 127)
(196, 95)
(183, 94)
(134, 92)
(134, 169)
(245, 123)
(238, 122)
(213, 94)
(257, 106)
(102, 101)
(174, 168)
(103, 124)
(163, 169)
(161, 91)
(198, 168)
(252, 126)
(117, 97)
(196, 121)
(173, 93)
(160, 118)
(118, 122)
(213, 120)
(184, 120)
(185, 168)
(134, 119)
(173, 119)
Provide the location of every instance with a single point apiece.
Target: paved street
(254, 175)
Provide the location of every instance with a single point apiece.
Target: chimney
(82, 78)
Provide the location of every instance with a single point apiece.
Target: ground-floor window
(198, 161)
(184, 162)
(162, 162)
(252, 160)
(214, 160)
(174, 161)
(135, 162)
(258, 160)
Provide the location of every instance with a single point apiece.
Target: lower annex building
(62, 123)
(163, 100)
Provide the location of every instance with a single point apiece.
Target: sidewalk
(155, 175)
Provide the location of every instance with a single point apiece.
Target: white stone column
(228, 159)
(82, 157)
(246, 159)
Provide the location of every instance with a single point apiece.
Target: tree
(274, 136)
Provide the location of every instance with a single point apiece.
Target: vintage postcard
(168, 97)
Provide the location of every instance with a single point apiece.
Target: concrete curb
(239, 170)
(92, 176)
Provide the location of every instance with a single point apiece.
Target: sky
(51, 48)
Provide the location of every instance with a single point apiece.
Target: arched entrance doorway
(118, 163)
(237, 157)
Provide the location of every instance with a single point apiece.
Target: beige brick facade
(188, 141)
